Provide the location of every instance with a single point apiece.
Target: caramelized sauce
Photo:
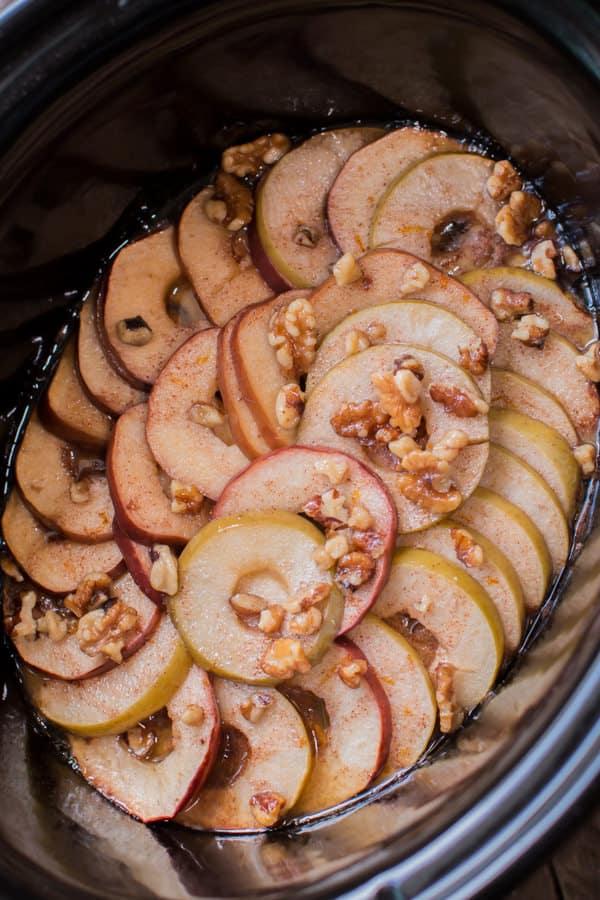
(313, 712)
(232, 757)
(151, 739)
(424, 642)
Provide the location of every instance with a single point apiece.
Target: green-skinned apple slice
(54, 563)
(460, 638)
(513, 532)
(225, 284)
(350, 381)
(353, 740)
(66, 409)
(560, 308)
(440, 210)
(262, 765)
(417, 322)
(495, 573)
(120, 698)
(63, 658)
(516, 480)
(66, 489)
(295, 479)
(139, 334)
(554, 368)
(543, 448)
(152, 789)
(138, 560)
(182, 399)
(269, 558)
(291, 201)
(366, 176)
(143, 507)
(109, 391)
(390, 275)
(408, 686)
(512, 391)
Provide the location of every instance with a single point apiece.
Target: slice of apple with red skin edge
(46, 471)
(56, 564)
(287, 479)
(223, 284)
(366, 176)
(276, 282)
(65, 660)
(562, 311)
(354, 751)
(513, 391)
(292, 196)
(142, 508)
(199, 457)
(154, 791)
(138, 559)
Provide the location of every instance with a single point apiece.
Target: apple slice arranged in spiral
(295, 479)
(367, 175)
(54, 563)
(138, 560)
(264, 759)
(150, 785)
(142, 507)
(513, 391)
(66, 489)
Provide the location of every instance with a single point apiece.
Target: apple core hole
(461, 241)
(182, 304)
(151, 740)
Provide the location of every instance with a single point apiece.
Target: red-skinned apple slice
(138, 559)
(406, 682)
(157, 789)
(140, 335)
(187, 451)
(65, 659)
(56, 564)
(142, 507)
(512, 391)
(47, 471)
(367, 175)
(224, 284)
(289, 478)
(353, 743)
(291, 201)
(263, 762)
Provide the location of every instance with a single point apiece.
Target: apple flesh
(512, 391)
(138, 560)
(154, 790)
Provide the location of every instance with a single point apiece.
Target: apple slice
(142, 507)
(67, 410)
(460, 636)
(290, 205)
(512, 391)
(295, 479)
(224, 284)
(440, 210)
(120, 698)
(187, 451)
(353, 742)
(404, 679)
(560, 308)
(138, 559)
(390, 275)
(350, 381)
(139, 334)
(495, 573)
(367, 175)
(145, 786)
(65, 659)
(53, 481)
(269, 558)
(56, 564)
(513, 532)
(554, 367)
(108, 390)
(264, 759)
(425, 324)
(543, 448)
(516, 480)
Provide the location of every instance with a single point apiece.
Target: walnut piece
(284, 658)
(252, 157)
(307, 598)
(570, 259)
(404, 414)
(455, 400)
(336, 470)
(585, 454)
(79, 491)
(503, 180)
(403, 446)
(425, 461)
(238, 200)
(469, 553)
(271, 619)
(542, 259)
(267, 807)
(514, 220)
(193, 715)
(414, 278)
(247, 605)
(355, 341)
(451, 715)
(164, 576)
(359, 420)
(354, 569)
(369, 541)
(588, 363)
(329, 509)
(186, 499)
(346, 270)
(289, 406)
(352, 671)
(307, 622)
(360, 517)
(54, 625)
(531, 330)
(450, 444)
(10, 568)
(418, 489)
(106, 631)
(134, 331)
(337, 546)
(254, 708)
(91, 593)
(26, 627)
(293, 336)
(474, 359)
(206, 414)
(507, 305)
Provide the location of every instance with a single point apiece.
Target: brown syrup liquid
(232, 757)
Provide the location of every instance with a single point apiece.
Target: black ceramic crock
(98, 98)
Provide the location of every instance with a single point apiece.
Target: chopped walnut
(403, 446)
(186, 499)
(359, 420)
(458, 402)
(585, 454)
(164, 576)
(507, 305)
(503, 180)
(215, 210)
(26, 627)
(54, 625)
(254, 708)
(293, 336)
(307, 622)
(588, 363)
(451, 715)
(306, 599)
(284, 658)
(469, 553)
(406, 361)
(289, 406)
(346, 270)
(354, 569)
(474, 359)
(247, 605)
(271, 619)
(337, 546)
(542, 259)
(544, 229)
(193, 715)
(267, 807)
(323, 559)
(329, 509)
(415, 278)
(425, 461)
(408, 384)
(352, 671)
(106, 631)
(10, 568)
(419, 490)
(405, 415)
(355, 341)
(79, 491)
(570, 259)
(450, 444)
(238, 199)
(91, 593)
(532, 330)
(206, 414)
(134, 331)
(369, 541)
(515, 219)
(252, 157)
(360, 517)
(334, 469)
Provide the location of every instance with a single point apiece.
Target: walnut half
(106, 631)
